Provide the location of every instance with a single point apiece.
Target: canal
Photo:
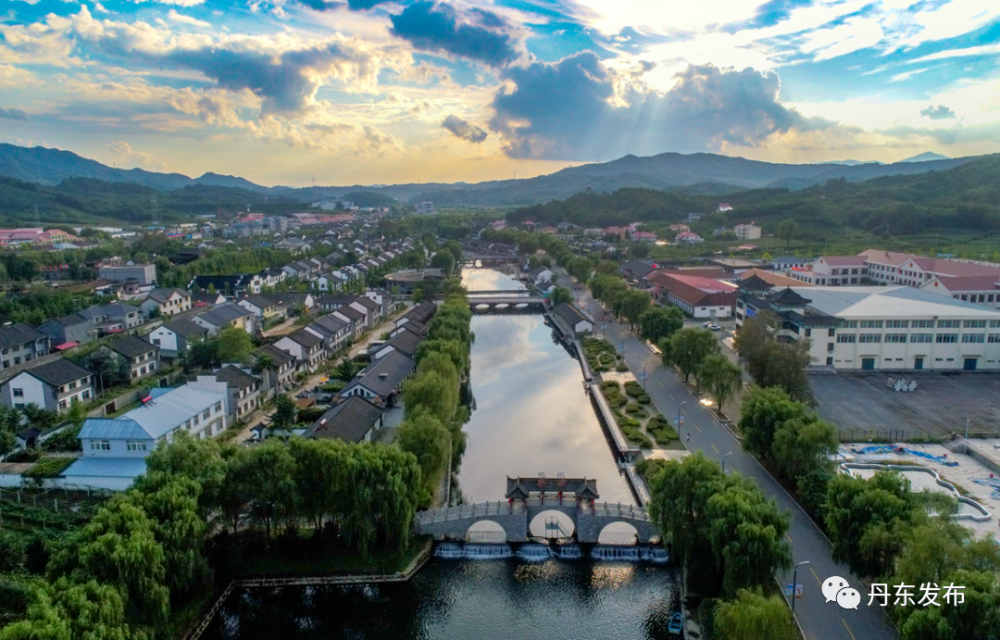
(531, 415)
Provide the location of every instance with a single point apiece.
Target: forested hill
(698, 172)
(90, 201)
(965, 197)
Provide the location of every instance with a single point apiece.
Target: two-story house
(114, 450)
(405, 343)
(226, 315)
(174, 338)
(51, 386)
(382, 380)
(276, 369)
(332, 330)
(166, 302)
(263, 307)
(143, 358)
(21, 343)
(243, 389)
(307, 347)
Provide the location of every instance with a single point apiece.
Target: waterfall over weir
(537, 552)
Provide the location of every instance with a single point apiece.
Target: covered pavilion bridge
(541, 497)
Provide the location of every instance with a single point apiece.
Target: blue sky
(376, 91)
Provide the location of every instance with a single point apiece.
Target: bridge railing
(487, 509)
(626, 511)
(462, 512)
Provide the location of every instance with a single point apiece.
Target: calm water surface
(531, 416)
(467, 600)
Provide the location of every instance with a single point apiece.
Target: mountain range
(703, 173)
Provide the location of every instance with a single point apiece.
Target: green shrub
(642, 399)
(610, 384)
(634, 389)
(648, 468)
(621, 368)
(48, 467)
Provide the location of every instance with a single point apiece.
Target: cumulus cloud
(180, 18)
(939, 112)
(123, 153)
(600, 110)
(478, 34)
(464, 129)
(283, 72)
(12, 114)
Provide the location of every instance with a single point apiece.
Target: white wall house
(890, 328)
(114, 449)
(52, 386)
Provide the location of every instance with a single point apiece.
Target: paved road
(819, 620)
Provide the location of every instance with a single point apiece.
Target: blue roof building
(114, 448)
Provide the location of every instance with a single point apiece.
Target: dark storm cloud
(285, 83)
(12, 114)
(708, 108)
(478, 35)
(464, 129)
(939, 112)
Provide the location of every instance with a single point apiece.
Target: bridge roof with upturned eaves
(521, 488)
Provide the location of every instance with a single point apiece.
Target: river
(531, 416)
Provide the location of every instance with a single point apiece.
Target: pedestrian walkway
(818, 619)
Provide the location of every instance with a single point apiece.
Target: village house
(306, 346)
(227, 315)
(354, 419)
(51, 386)
(143, 358)
(382, 380)
(166, 302)
(175, 338)
(21, 343)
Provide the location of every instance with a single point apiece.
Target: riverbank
(336, 568)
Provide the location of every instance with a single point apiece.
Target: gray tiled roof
(186, 328)
(570, 314)
(305, 338)
(395, 366)
(234, 377)
(349, 420)
(278, 356)
(59, 372)
(19, 334)
(130, 346)
(405, 342)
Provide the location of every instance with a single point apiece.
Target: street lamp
(679, 413)
(644, 377)
(795, 583)
(724, 461)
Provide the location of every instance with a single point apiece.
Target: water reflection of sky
(532, 414)
(488, 280)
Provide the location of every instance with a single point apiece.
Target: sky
(342, 92)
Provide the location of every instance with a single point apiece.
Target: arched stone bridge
(589, 519)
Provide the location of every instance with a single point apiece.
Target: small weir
(539, 552)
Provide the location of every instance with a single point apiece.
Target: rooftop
(131, 347)
(384, 375)
(59, 372)
(154, 419)
(889, 302)
(349, 420)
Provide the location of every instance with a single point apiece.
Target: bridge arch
(552, 523)
(486, 531)
(618, 533)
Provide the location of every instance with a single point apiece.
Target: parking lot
(863, 402)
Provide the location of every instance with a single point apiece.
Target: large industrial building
(887, 327)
